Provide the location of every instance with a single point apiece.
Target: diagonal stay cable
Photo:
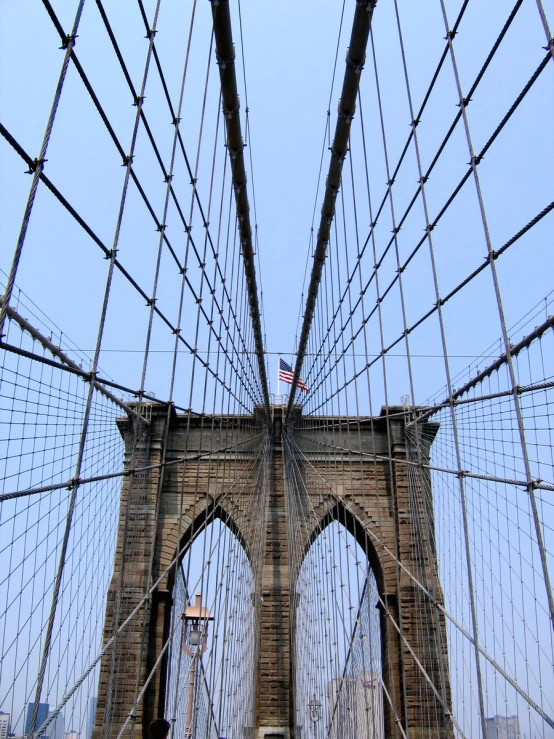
(54, 190)
(434, 601)
(146, 597)
(425, 177)
(497, 253)
(159, 226)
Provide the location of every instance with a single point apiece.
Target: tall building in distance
(4, 725)
(502, 727)
(56, 729)
(72, 735)
(42, 715)
(92, 701)
(355, 705)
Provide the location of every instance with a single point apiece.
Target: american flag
(286, 374)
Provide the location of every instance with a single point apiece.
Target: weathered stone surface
(371, 495)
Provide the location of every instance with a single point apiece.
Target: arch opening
(338, 641)
(209, 688)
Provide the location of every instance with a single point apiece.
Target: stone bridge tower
(378, 502)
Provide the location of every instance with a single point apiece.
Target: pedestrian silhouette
(159, 728)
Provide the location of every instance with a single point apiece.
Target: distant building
(355, 705)
(42, 715)
(92, 701)
(4, 725)
(502, 727)
(56, 729)
(72, 735)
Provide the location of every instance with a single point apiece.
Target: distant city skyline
(502, 727)
(56, 729)
(92, 701)
(4, 725)
(42, 715)
(356, 706)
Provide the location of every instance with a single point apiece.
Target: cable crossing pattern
(370, 554)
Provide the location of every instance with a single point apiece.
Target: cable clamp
(475, 160)
(176, 120)
(464, 102)
(550, 46)
(429, 227)
(224, 62)
(346, 117)
(356, 67)
(161, 228)
(415, 123)
(343, 114)
(139, 99)
(188, 229)
(150, 33)
(233, 153)
(127, 160)
(36, 164)
(339, 157)
(230, 112)
(450, 35)
(69, 40)
(423, 179)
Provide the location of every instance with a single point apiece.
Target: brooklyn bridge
(277, 377)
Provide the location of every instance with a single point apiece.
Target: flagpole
(278, 383)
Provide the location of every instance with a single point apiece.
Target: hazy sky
(289, 52)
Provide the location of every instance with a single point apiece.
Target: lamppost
(315, 713)
(195, 642)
